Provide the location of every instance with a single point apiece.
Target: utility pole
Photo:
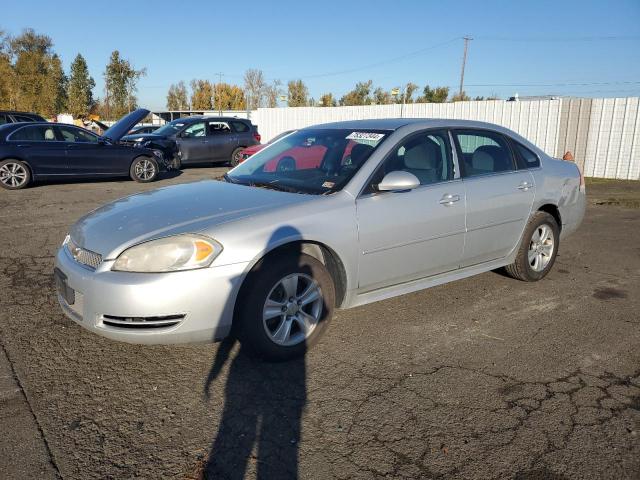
(464, 61)
(220, 75)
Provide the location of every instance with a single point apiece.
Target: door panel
(499, 197)
(409, 235)
(85, 156)
(412, 234)
(222, 140)
(193, 143)
(38, 144)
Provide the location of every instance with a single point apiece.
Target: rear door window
(34, 133)
(217, 128)
(483, 152)
(240, 127)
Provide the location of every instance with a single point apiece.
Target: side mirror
(398, 181)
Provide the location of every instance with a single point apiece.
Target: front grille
(142, 322)
(85, 257)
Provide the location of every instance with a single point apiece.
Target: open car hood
(126, 123)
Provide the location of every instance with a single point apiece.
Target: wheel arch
(552, 210)
(318, 250)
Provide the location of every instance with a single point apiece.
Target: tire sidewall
(234, 162)
(137, 160)
(248, 322)
(540, 218)
(23, 165)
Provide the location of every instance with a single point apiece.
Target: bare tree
(272, 92)
(254, 87)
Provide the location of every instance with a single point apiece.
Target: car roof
(396, 123)
(194, 118)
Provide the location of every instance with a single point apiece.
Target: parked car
(143, 129)
(31, 151)
(267, 255)
(10, 116)
(247, 152)
(198, 139)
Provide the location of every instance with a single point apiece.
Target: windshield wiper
(227, 179)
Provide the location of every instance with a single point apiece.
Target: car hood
(173, 210)
(126, 123)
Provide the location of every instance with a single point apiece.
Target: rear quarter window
(240, 127)
(525, 157)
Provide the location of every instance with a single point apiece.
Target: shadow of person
(260, 426)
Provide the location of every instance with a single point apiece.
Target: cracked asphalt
(483, 378)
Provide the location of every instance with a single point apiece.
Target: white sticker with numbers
(372, 136)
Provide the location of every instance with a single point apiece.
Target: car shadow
(72, 181)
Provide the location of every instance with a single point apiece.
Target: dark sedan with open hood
(32, 151)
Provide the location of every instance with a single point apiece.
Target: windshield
(170, 128)
(315, 161)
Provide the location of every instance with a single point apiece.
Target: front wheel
(144, 169)
(285, 305)
(14, 174)
(538, 249)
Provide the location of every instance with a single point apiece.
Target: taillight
(257, 136)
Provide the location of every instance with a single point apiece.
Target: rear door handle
(525, 186)
(24, 146)
(449, 199)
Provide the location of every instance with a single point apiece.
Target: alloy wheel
(13, 175)
(292, 309)
(541, 247)
(145, 169)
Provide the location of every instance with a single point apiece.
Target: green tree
(38, 81)
(79, 88)
(406, 94)
(434, 95)
(177, 97)
(460, 97)
(327, 100)
(297, 94)
(360, 95)
(121, 80)
(7, 81)
(201, 95)
(382, 97)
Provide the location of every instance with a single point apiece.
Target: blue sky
(529, 47)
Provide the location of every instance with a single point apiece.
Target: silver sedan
(330, 216)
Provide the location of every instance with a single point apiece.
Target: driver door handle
(448, 199)
(525, 186)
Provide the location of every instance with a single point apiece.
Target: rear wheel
(286, 304)
(538, 249)
(144, 169)
(236, 157)
(14, 174)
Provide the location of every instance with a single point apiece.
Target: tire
(236, 157)
(269, 332)
(538, 249)
(14, 174)
(144, 169)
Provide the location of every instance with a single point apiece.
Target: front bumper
(201, 301)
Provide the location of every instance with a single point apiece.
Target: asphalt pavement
(483, 378)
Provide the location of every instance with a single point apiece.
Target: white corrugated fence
(602, 133)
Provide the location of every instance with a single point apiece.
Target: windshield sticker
(365, 136)
(328, 184)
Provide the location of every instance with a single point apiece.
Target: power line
(589, 38)
(382, 62)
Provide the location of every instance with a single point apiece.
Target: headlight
(170, 254)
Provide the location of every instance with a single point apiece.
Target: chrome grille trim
(85, 257)
(142, 322)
